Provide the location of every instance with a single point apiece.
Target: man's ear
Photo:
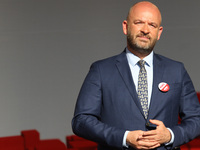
(160, 32)
(125, 27)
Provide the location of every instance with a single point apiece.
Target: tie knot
(141, 63)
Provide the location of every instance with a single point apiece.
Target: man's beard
(142, 49)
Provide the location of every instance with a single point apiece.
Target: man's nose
(145, 29)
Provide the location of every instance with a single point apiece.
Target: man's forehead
(146, 14)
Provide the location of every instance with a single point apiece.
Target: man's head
(143, 28)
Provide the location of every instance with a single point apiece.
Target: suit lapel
(125, 72)
(158, 70)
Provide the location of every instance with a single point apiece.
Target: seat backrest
(198, 95)
(74, 141)
(31, 138)
(51, 144)
(12, 143)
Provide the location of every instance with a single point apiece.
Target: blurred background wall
(47, 47)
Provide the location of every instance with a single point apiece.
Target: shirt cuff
(124, 139)
(172, 137)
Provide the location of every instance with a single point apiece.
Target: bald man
(133, 100)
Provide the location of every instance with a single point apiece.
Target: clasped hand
(149, 139)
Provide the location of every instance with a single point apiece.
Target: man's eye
(153, 25)
(138, 22)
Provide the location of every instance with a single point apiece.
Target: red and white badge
(164, 87)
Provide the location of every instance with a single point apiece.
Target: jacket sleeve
(87, 117)
(189, 113)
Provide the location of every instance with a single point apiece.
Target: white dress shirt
(135, 68)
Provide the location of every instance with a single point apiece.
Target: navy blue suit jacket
(108, 105)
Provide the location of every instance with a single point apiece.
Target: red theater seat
(31, 138)
(52, 144)
(194, 144)
(198, 95)
(79, 143)
(33, 142)
(12, 143)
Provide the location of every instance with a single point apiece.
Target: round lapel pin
(164, 87)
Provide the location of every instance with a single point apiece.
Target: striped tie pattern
(143, 88)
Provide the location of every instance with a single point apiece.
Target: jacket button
(147, 124)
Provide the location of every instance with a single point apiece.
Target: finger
(156, 122)
(149, 133)
(148, 145)
(155, 146)
(149, 138)
(153, 138)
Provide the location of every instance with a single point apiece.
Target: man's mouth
(143, 37)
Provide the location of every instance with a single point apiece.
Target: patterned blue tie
(143, 88)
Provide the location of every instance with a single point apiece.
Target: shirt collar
(133, 59)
